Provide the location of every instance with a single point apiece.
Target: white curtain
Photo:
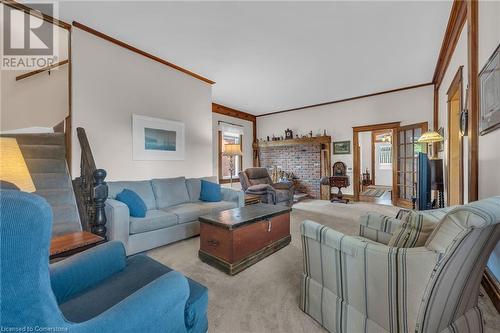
(229, 128)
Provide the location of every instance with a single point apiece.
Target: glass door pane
(407, 161)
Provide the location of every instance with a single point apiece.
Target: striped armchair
(354, 284)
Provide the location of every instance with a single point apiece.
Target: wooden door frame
(455, 86)
(396, 202)
(355, 147)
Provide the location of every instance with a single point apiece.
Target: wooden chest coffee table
(235, 239)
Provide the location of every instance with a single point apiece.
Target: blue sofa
(173, 209)
(99, 290)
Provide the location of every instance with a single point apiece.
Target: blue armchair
(99, 290)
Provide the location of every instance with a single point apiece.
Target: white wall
(408, 106)
(247, 148)
(489, 154)
(458, 59)
(40, 100)
(365, 152)
(110, 84)
(383, 175)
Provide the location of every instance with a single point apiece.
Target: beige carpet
(265, 297)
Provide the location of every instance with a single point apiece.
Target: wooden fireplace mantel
(293, 142)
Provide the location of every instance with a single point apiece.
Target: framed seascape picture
(341, 147)
(156, 139)
(489, 90)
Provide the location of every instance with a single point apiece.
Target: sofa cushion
(140, 271)
(136, 206)
(210, 192)
(155, 219)
(188, 212)
(414, 230)
(194, 187)
(170, 191)
(142, 187)
(216, 207)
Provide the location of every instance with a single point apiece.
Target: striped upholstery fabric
(416, 228)
(352, 284)
(378, 227)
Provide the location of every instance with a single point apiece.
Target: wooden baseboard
(492, 288)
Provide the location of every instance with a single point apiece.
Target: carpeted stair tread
(45, 165)
(38, 138)
(43, 151)
(45, 156)
(64, 213)
(48, 181)
(63, 196)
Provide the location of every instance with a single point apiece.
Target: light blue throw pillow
(210, 192)
(134, 202)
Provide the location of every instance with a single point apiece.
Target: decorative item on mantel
(288, 134)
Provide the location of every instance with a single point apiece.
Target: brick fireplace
(307, 158)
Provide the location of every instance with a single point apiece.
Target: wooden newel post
(100, 194)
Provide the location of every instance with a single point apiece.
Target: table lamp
(231, 150)
(430, 137)
(13, 169)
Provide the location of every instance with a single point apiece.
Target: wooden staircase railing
(91, 190)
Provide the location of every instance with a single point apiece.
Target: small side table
(251, 199)
(69, 244)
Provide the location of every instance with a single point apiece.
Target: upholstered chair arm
(118, 221)
(260, 189)
(282, 185)
(375, 280)
(234, 195)
(86, 269)
(378, 227)
(157, 307)
(266, 191)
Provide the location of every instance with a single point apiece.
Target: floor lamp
(231, 150)
(436, 164)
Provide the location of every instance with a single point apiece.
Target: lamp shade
(232, 149)
(13, 168)
(430, 137)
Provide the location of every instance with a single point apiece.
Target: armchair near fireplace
(256, 181)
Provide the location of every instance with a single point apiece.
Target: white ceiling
(270, 56)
